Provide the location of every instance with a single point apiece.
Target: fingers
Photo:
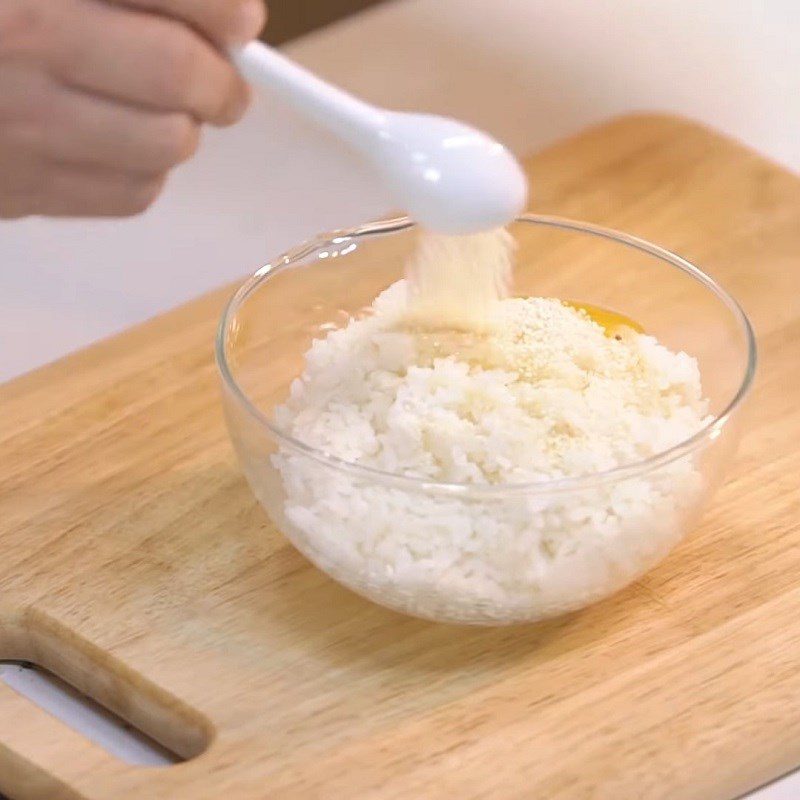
(225, 22)
(63, 125)
(149, 61)
(77, 192)
(67, 191)
(64, 153)
(97, 132)
(99, 99)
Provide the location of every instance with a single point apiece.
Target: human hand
(100, 99)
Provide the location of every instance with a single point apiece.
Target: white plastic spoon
(448, 176)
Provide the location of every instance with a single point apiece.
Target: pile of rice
(545, 394)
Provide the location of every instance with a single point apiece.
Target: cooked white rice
(547, 396)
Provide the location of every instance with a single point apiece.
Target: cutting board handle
(30, 738)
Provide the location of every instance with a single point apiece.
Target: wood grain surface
(136, 565)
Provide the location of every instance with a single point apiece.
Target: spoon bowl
(448, 176)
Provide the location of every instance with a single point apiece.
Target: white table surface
(529, 71)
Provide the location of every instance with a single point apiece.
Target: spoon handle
(344, 115)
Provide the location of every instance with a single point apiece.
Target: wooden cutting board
(136, 564)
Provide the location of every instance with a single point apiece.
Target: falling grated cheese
(456, 281)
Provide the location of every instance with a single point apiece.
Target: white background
(528, 71)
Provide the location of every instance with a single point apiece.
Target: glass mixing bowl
(404, 542)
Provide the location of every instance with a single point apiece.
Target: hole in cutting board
(83, 715)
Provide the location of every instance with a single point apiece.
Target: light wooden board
(136, 564)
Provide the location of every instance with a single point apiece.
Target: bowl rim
(710, 431)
